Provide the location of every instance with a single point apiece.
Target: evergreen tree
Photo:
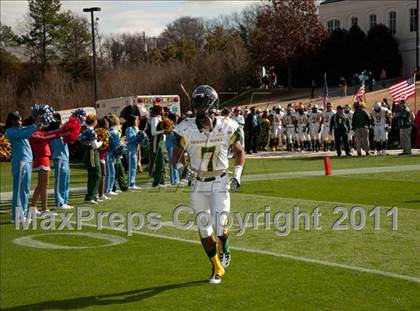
(41, 34)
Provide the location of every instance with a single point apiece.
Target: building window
(372, 20)
(333, 25)
(354, 21)
(413, 20)
(393, 22)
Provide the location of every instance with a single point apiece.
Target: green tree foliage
(285, 30)
(356, 47)
(346, 53)
(382, 51)
(186, 29)
(41, 33)
(73, 45)
(335, 51)
(7, 37)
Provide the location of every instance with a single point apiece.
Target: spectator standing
(405, 121)
(252, 130)
(370, 81)
(340, 124)
(360, 124)
(343, 86)
(265, 81)
(383, 77)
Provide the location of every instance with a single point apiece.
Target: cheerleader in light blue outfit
(132, 150)
(110, 157)
(60, 157)
(21, 163)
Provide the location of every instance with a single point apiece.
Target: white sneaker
(65, 206)
(118, 191)
(104, 197)
(112, 193)
(134, 188)
(99, 200)
(91, 201)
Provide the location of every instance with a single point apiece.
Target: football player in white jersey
(207, 138)
(315, 119)
(326, 119)
(289, 126)
(301, 126)
(276, 128)
(381, 118)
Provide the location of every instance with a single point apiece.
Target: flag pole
(415, 92)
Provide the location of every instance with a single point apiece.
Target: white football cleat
(215, 279)
(225, 259)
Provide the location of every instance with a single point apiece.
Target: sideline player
(301, 126)
(276, 129)
(289, 126)
(207, 138)
(326, 119)
(381, 118)
(315, 118)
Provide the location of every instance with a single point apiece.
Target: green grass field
(167, 269)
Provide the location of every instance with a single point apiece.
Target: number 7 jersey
(208, 151)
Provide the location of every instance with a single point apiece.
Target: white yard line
(338, 172)
(316, 202)
(286, 256)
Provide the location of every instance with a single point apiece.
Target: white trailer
(65, 114)
(143, 103)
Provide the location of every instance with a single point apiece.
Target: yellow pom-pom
(90, 118)
(103, 135)
(5, 148)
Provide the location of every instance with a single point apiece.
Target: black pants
(341, 137)
(251, 141)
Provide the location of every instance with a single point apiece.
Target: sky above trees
(130, 16)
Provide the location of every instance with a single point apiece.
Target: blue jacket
(59, 149)
(18, 137)
(131, 137)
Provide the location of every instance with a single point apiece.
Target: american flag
(403, 89)
(325, 91)
(360, 94)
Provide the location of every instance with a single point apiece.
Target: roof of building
(330, 1)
